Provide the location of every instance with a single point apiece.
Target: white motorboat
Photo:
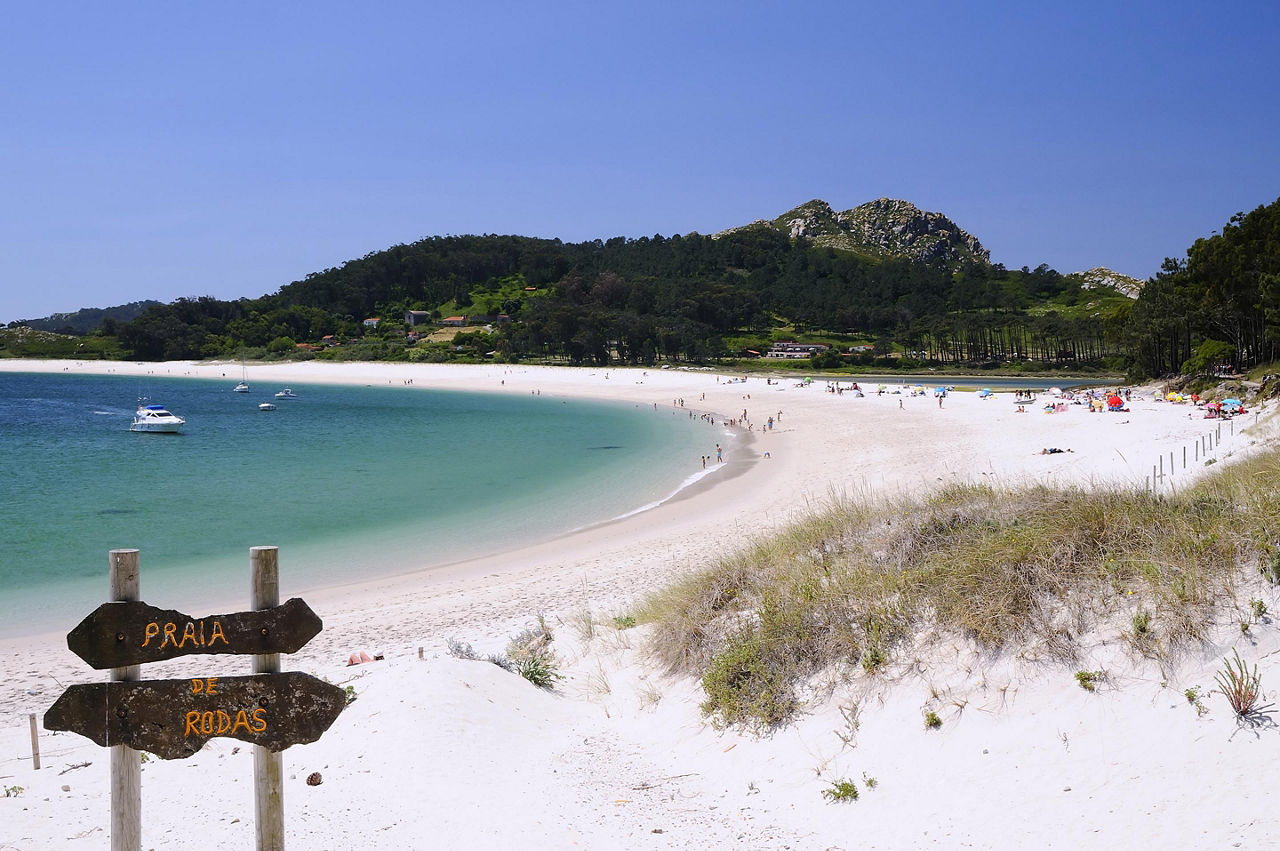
(157, 420)
(266, 406)
(286, 393)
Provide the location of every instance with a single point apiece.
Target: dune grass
(1037, 565)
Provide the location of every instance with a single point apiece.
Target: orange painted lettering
(169, 630)
(188, 634)
(224, 722)
(242, 720)
(211, 685)
(193, 723)
(260, 716)
(206, 723)
(151, 631)
(218, 634)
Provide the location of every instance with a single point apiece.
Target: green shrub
(932, 721)
(1089, 680)
(745, 687)
(841, 790)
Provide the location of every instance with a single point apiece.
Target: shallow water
(345, 480)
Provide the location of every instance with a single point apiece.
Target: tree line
(700, 298)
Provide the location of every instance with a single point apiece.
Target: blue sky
(161, 150)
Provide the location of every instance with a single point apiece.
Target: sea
(348, 481)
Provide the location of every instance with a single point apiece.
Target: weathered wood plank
(132, 633)
(173, 719)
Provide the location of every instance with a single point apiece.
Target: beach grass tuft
(1034, 566)
(1240, 686)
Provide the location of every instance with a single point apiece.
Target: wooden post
(35, 743)
(268, 767)
(1184, 457)
(126, 763)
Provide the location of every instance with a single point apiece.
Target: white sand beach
(439, 752)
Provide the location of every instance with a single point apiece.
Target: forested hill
(811, 275)
(682, 298)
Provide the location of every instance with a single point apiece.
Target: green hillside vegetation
(87, 319)
(886, 285)
(24, 342)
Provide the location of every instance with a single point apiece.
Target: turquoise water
(347, 481)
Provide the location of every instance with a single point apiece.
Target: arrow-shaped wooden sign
(118, 634)
(175, 718)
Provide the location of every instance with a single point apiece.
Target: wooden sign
(118, 634)
(173, 719)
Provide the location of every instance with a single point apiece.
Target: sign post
(173, 719)
(126, 764)
(268, 767)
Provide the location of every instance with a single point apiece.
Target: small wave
(688, 482)
(605, 447)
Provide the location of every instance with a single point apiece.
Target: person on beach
(719, 456)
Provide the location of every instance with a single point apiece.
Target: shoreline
(624, 738)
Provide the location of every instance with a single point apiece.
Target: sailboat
(243, 386)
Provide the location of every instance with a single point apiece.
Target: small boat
(243, 385)
(156, 419)
(286, 393)
(266, 406)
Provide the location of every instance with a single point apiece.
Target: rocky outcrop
(882, 228)
(1100, 276)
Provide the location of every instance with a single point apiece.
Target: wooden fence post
(126, 763)
(268, 767)
(35, 743)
